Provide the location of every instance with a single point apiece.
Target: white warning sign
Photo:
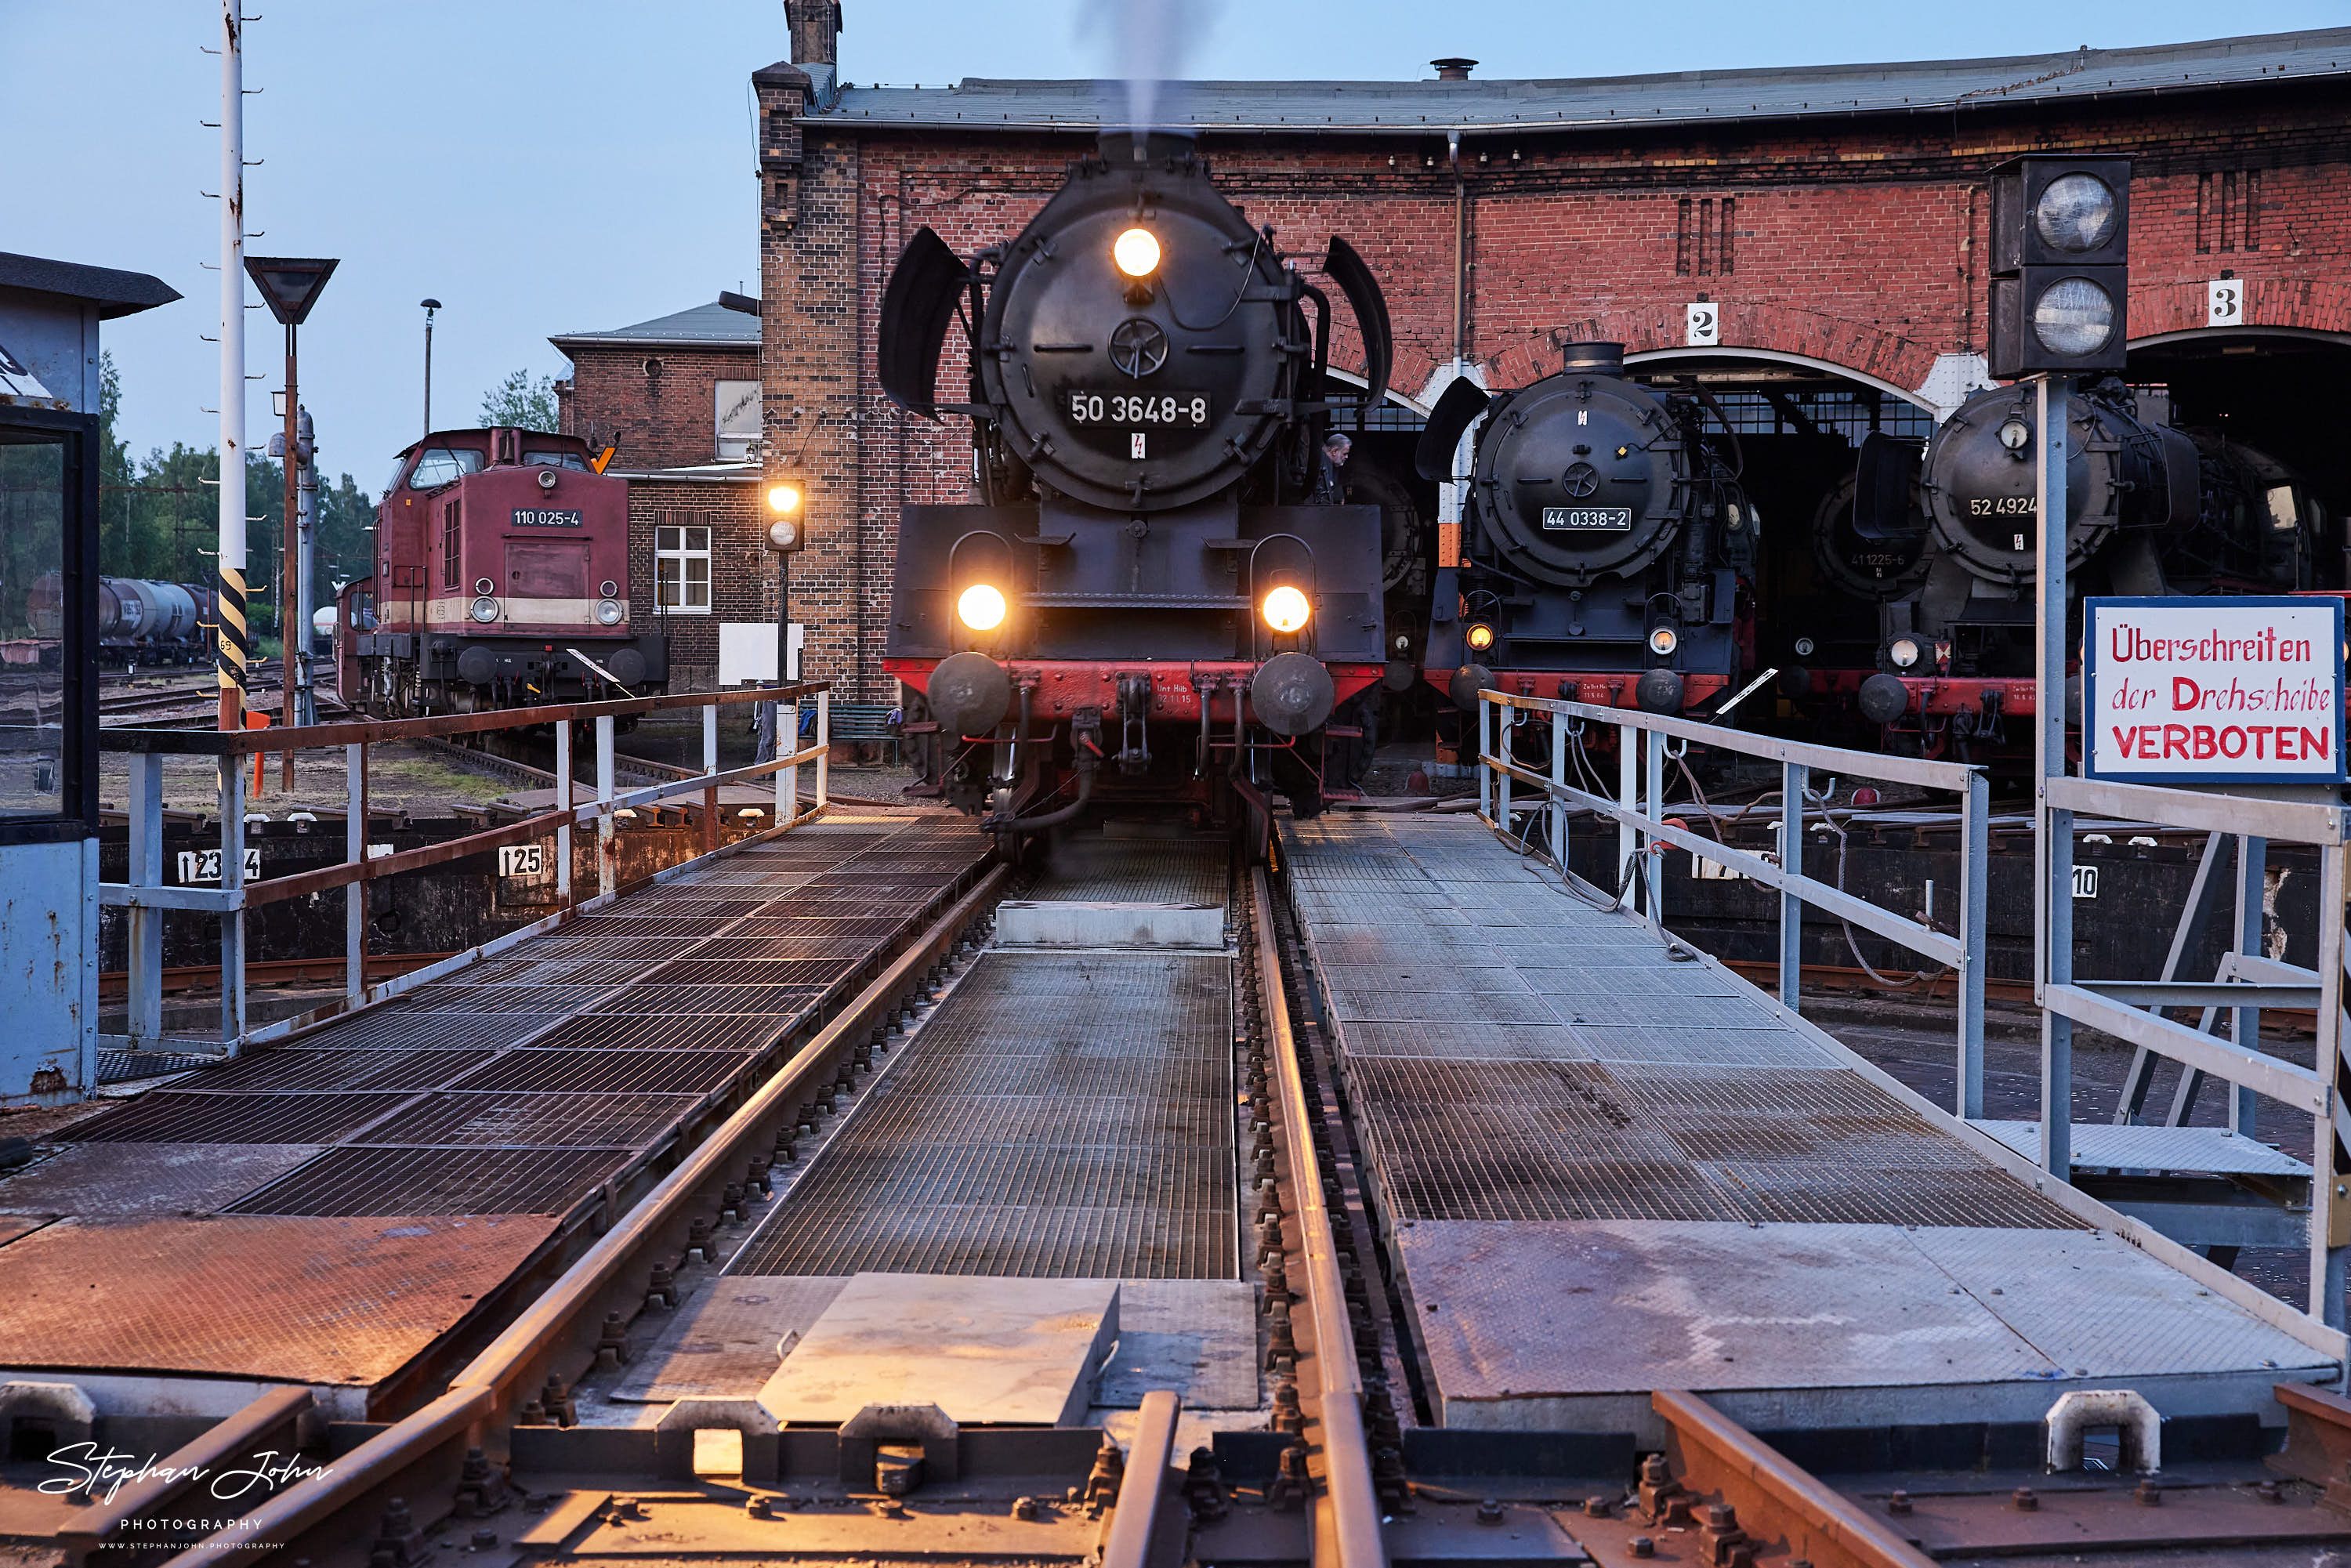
(2214, 690)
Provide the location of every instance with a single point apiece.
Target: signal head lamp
(784, 497)
(980, 607)
(1285, 609)
(2074, 316)
(1136, 252)
(2076, 213)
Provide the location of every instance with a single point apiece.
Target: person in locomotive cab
(1329, 484)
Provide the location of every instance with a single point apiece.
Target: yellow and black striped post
(232, 645)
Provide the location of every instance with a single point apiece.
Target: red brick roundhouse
(1834, 218)
(677, 398)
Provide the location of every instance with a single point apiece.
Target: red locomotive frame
(501, 580)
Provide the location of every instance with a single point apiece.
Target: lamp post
(290, 286)
(787, 537)
(429, 307)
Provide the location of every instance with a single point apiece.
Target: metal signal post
(291, 284)
(2053, 839)
(232, 643)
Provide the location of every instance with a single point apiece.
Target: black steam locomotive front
(1604, 546)
(2149, 510)
(1151, 582)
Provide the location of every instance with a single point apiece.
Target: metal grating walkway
(1064, 1116)
(1603, 1170)
(520, 1086)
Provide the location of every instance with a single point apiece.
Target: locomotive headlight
(2076, 214)
(608, 612)
(2015, 436)
(486, 610)
(1136, 252)
(1805, 647)
(1286, 609)
(1904, 652)
(2074, 316)
(1662, 641)
(980, 607)
(1480, 636)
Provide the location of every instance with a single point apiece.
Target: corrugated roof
(117, 293)
(711, 326)
(1498, 104)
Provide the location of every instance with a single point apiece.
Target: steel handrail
(1644, 832)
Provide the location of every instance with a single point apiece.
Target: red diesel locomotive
(501, 580)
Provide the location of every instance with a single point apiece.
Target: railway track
(566, 1432)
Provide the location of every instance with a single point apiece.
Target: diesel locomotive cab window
(554, 460)
(682, 569)
(32, 626)
(439, 465)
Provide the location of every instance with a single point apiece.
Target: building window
(682, 568)
(452, 544)
(738, 419)
(1703, 236)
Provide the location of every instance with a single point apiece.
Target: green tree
(523, 401)
(161, 517)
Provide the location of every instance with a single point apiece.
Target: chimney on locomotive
(1130, 149)
(1593, 358)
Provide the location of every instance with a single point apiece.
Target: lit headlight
(485, 609)
(1903, 653)
(1286, 609)
(1481, 637)
(608, 612)
(2074, 316)
(1664, 641)
(1136, 252)
(980, 607)
(2076, 214)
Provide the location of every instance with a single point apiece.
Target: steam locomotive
(502, 559)
(1155, 598)
(1606, 551)
(2150, 510)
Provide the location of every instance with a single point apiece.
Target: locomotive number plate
(547, 517)
(1181, 410)
(1614, 520)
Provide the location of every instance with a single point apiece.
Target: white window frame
(675, 554)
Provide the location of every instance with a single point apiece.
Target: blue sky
(552, 165)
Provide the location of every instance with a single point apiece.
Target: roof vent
(1453, 69)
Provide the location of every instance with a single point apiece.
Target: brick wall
(742, 577)
(1856, 242)
(658, 405)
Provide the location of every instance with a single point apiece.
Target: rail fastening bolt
(1898, 1501)
(2025, 1499)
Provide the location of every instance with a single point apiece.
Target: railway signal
(2059, 264)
